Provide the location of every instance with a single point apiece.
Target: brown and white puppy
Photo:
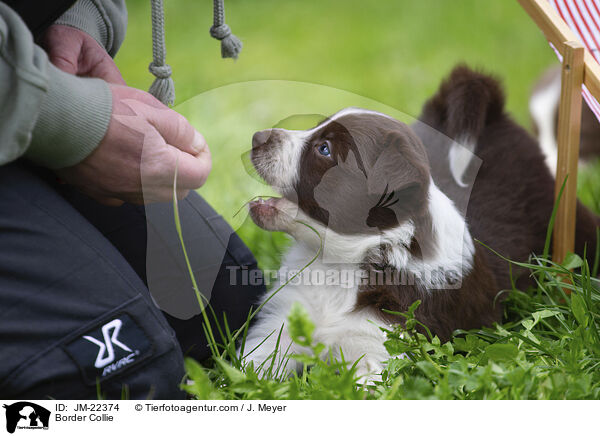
(376, 197)
(513, 193)
(543, 107)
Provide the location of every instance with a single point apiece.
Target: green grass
(315, 57)
(548, 348)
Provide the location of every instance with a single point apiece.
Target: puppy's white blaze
(284, 167)
(542, 107)
(459, 158)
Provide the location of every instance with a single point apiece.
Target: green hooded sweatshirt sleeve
(52, 118)
(104, 20)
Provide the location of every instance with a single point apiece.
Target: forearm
(38, 102)
(73, 118)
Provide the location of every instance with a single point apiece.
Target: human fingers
(177, 131)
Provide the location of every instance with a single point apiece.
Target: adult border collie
(375, 196)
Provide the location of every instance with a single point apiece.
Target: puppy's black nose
(260, 138)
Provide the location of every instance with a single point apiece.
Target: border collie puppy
(366, 193)
(543, 107)
(512, 196)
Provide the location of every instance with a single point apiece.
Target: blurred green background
(393, 52)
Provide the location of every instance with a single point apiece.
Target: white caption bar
(92, 418)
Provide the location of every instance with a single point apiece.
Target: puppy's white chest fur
(328, 292)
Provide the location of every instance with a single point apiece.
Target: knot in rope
(163, 87)
(230, 44)
(220, 32)
(160, 71)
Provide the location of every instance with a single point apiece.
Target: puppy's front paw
(369, 371)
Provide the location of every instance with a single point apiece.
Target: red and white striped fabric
(583, 17)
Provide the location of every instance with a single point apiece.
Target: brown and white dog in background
(543, 107)
(383, 197)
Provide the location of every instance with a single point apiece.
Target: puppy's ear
(401, 172)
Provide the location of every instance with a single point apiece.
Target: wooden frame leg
(569, 126)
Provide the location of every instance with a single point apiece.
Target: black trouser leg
(75, 317)
(147, 239)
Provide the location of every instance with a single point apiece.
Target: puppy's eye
(324, 149)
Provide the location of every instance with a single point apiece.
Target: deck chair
(573, 29)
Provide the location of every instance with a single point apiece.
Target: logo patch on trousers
(109, 348)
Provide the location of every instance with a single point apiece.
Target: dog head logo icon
(26, 415)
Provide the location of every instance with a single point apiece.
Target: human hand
(76, 52)
(136, 160)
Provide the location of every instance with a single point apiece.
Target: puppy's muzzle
(260, 139)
